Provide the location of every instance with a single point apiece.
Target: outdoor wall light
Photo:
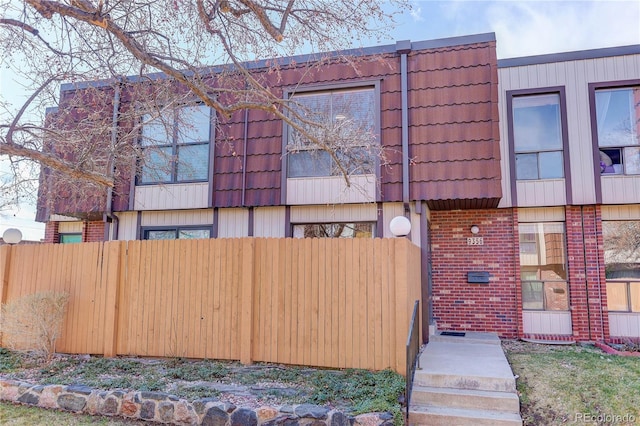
(400, 226)
(474, 229)
(12, 236)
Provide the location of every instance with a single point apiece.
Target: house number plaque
(475, 241)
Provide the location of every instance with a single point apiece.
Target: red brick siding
(51, 232)
(458, 305)
(93, 231)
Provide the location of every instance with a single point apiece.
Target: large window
(622, 264)
(346, 122)
(543, 266)
(618, 125)
(180, 233)
(334, 230)
(176, 146)
(537, 136)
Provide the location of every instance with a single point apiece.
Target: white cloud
(532, 28)
(416, 12)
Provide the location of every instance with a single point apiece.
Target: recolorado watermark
(605, 418)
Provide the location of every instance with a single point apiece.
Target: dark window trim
(145, 229)
(559, 90)
(174, 145)
(358, 84)
(620, 84)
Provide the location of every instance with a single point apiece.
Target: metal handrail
(413, 348)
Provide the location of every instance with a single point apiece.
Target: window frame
(328, 88)
(593, 88)
(174, 146)
(564, 133)
(145, 230)
(628, 280)
(372, 223)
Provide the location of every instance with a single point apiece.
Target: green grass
(20, 415)
(558, 383)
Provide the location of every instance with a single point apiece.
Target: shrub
(34, 322)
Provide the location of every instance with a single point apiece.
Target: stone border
(165, 408)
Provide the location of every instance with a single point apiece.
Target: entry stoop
(465, 380)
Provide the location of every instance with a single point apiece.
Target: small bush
(34, 322)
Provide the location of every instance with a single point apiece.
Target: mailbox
(478, 277)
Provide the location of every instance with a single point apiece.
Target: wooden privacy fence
(342, 303)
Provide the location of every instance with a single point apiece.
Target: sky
(522, 28)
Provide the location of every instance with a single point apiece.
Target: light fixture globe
(12, 236)
(475, 229)
(400, 226)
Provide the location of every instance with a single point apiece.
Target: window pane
(194, 123)
(617, 296)
(333, 230)
(551, 165)
(556, 296)
(635, 296)
(70, 238)
(532, 297)
(526, 166)
(158, 130)
(353, 110)
(357, 161)
(309, 163)
(544, 250)
(621, 249)
(157, 165)
(616, 117)
(632, 161)
(190, 234)
(169, 234)
(193, 162)
(536, 123)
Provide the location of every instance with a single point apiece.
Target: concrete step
(440, 416)
(465, 398)
(469, 337)
(465, 366)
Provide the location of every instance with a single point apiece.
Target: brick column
(587, 290)
(51, 232)
(93, 231)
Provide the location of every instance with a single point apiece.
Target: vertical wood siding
(628, 212)
(70, 227)
(575, 76)
(174, 196)
(342, 303)
(624, 324)
(233, 223)
(177, 218)
(269, 222)
(549, 323)
(331, 190)
(127, 223)
(338, 213)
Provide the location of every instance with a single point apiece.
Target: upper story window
(348, 126)
(175, 146)
(622, 264)
(537, 136)
(618, 130)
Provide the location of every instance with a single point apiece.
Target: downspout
(109, 216)
(244, 155)
(403, 48)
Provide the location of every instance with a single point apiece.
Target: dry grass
(564, 384)
(21, 415)
(34, 321)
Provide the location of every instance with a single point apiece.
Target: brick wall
(93, 231)
(458, 305)
(51, 232)
(587, 289)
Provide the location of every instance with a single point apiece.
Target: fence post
(403, 314)
(5, 269)
(246, 300)
(112, 252)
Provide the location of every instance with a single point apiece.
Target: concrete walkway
(464, 380)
